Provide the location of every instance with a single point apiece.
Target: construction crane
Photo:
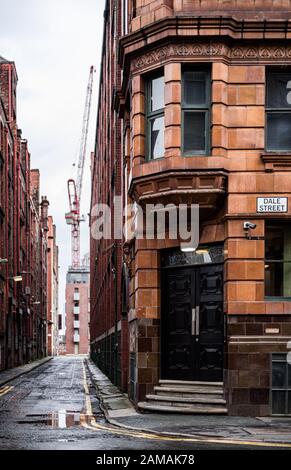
(74, 217)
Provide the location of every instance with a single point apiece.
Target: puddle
(61, 419)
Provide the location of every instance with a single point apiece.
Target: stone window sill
(277, 161)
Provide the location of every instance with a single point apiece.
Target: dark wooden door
(192, 323)
(210, 337)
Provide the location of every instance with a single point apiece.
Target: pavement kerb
(202, 437)
(34, 365)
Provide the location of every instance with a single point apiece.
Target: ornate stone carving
(261, 52)
(180, 50)
(207, 50)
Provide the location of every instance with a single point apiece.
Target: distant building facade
(53, 290)
(77, 310)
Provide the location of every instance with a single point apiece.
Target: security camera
(249, 225)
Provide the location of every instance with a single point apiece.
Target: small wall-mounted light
(16, 278)
(188, 249)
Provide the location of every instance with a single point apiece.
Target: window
(281, 385)
(278, 111)
(195, 111)
(155, 117)
(278, 260)
(125, 17)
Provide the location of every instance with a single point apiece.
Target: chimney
(44, 213)
(34, 187)
(8, 77)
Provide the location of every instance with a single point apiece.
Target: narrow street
(51, 408)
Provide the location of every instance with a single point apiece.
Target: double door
(193, 323)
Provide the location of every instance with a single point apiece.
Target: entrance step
(186, 392)
(189, 383)
(178, 401)
(176, 396)
(146, 406)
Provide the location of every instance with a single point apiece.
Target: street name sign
(272, 204)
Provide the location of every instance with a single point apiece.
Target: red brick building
(53, 289)
(77, 310)
(23, 239)
(109, 338)
(201, 115)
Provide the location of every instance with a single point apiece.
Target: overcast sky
(54, 43)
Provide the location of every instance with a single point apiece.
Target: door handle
(197, 318)
(193, 324)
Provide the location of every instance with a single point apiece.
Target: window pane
(194, 132)
(273, 279)
(278, 247)
(279, 373)
(194, 88)
(289, 403)
(157, 137)
(157, 94)
(278, 90)
(279, 131)
(279, 403)
(289, 376)
(287, 266)
(274, 242)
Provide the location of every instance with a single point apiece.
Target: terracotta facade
(240, 42)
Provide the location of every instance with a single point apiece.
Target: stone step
(184, 401)
(189, 384)
(157, 408)
(188, 392)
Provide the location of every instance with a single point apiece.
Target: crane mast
(74, 217)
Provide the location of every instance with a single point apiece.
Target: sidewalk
(120, 412)
(11, 374)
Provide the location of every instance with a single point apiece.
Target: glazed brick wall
(248, 361)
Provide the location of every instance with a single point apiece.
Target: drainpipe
(116, 345)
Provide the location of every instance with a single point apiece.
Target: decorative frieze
(212, 50)
(177, 51)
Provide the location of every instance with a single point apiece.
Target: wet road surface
(52, 407)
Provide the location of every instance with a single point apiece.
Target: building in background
(201, 115)
(23, 239)
(78, 309)
(53, 290)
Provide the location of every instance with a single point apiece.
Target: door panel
(178, 344)
(211, 335)
(193, 350)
